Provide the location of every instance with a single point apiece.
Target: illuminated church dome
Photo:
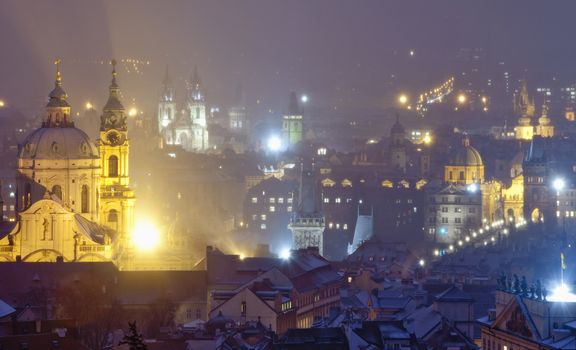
(58, 138)
(58, 143)
(466, 166)
(466, 155)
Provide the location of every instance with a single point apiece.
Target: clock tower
(116, 196)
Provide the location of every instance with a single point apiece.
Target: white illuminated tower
(307, 224)
(196, 105)
(166, 109)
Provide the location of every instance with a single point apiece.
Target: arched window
(113, 219)
(113, 166)
(85, 200)
(57, 191)
(27, 195)
(113, 216)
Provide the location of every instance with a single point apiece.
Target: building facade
(189, 127)
(68, 188)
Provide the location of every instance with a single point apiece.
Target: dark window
(85, 201)
(113, 166)
(113, 216)
(243, 309)
(57, 191)
(28, 195)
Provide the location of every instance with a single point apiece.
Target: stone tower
(116, 196)
(196, 105)
(307, 224)
(166, 109)
(398, 147)
(292, 123)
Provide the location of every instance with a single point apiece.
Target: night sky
(341, 53)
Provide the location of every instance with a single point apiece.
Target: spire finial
(57, 62)
(113, 62)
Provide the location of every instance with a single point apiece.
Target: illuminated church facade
(188, 127)
(74, 200)
(526, 130)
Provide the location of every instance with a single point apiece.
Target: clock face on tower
(114, 138)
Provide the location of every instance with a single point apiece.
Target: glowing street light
(285, 254)
(2, 103)
(558, 184)
(274, 143)
(304, 98)
(145, 236)
(132, 112)
(89, 106)
(462, 99)
(403, 99)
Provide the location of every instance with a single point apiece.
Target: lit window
(254, 200)
(338, 200)
(272, 200)
(289, 209)
(280, 200)
(326, 200)
(345, 227)
(330, 225)
(254, 217)
(289, 200)
(262, 226)
(263, 217)
(272, 209)
(337, 226)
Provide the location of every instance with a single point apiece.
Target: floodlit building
(525, 130)
(187, 128)
(465, 201)
(528, 320)
(73, 200)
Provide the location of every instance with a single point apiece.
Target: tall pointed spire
(113, 111)
(293, 107)
(113, 102)
(167, 88)
(195, 87)
(196, 78)
(166, 81)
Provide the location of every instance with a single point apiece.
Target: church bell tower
(116, 196)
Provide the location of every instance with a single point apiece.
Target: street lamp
(461, 99)
(2, 103)
(403, 99)
(274, 143)
(304, 98)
